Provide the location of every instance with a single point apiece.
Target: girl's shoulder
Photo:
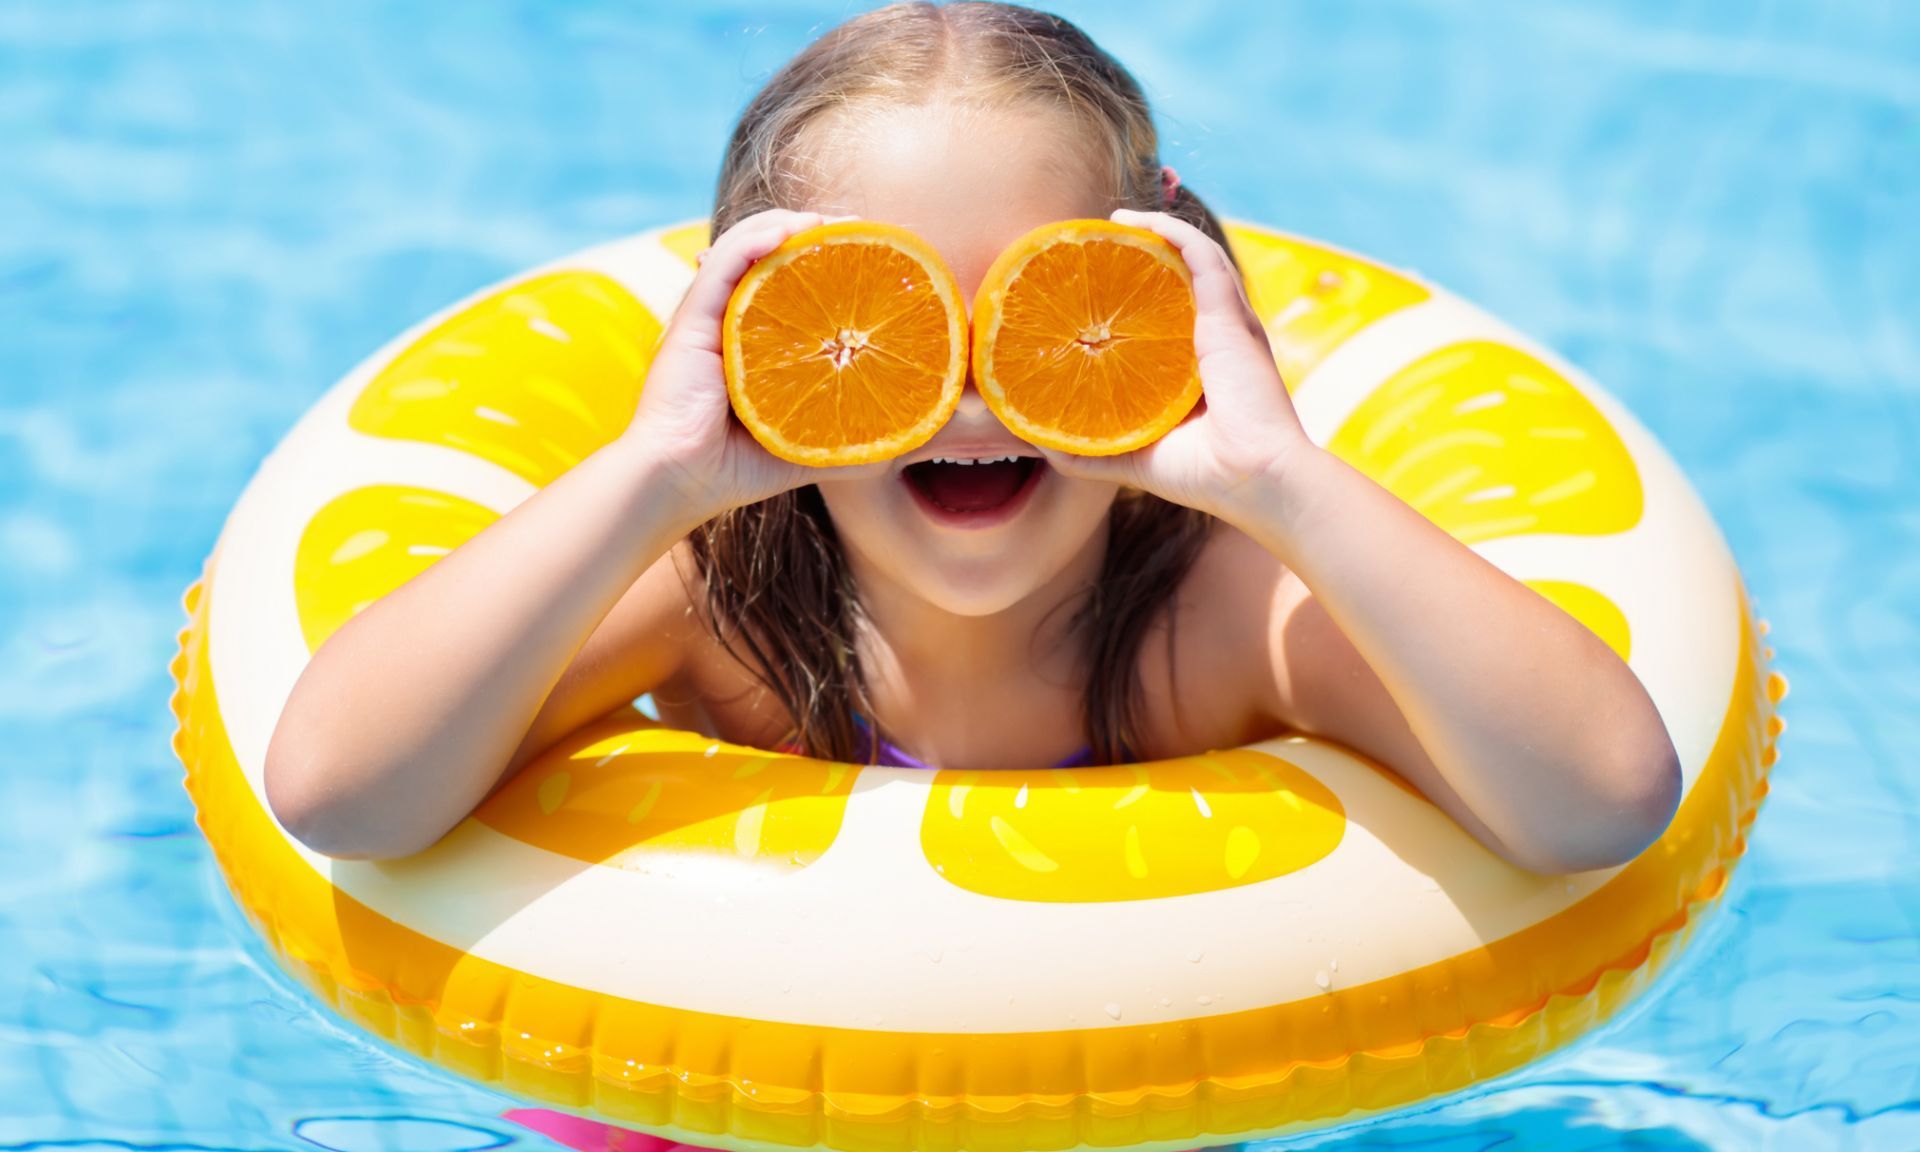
(712, 687)
(1206, 669)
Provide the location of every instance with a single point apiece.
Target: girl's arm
(410, 714)
(1525, 715)
(1519, 712)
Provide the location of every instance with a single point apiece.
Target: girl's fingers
(845, 472)
(1123, 469)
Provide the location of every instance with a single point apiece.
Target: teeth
(968, 463)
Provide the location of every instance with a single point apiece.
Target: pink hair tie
(1169, 184)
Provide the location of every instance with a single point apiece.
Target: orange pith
(845, 345)
(1083, 337)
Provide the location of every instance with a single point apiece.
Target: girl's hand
(1243, 433)
(684, 421)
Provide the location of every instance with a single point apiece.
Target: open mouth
(974, 489)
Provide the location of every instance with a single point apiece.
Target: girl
(1227, 583)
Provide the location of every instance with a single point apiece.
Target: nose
(972, 408)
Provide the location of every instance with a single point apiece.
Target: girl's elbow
(1649, 805)
(1644, 793)
(1633, 808)
(309, 806)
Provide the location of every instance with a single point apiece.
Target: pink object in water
(591, 1135)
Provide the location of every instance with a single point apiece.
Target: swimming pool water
(209, 210)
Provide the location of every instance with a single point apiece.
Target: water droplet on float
(1333, 965)
(1113, 1010)
(1166, 1001)
(1203, 1001)
(712, 751)
(1322, 981)
(1195, 956)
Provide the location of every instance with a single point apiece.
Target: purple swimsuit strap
(887, 755)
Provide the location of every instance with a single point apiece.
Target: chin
(970, 586)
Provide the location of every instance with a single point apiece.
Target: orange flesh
(1093, 344)
(844, 347)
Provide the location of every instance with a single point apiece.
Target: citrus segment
(1313, 298)
(369, 541)
(1083, 337)
(845, 345)
(628, 797)
(1134, 832)
(1487, 441)
(535, 377)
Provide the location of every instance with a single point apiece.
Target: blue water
(209, 210)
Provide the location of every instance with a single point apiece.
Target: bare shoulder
(1206, 672)
(718, 688)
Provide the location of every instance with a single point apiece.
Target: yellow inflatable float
(739, 948)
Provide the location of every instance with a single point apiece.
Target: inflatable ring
(733, 947)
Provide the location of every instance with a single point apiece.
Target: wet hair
(777, 590)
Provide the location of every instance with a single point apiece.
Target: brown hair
(778, 592)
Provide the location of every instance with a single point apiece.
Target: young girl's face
(971, 539)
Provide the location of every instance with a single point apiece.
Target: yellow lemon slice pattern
(1133, 832)
(687, 241)
(1311, 298)
(533, 378)
(631, 796)
(1487, 441)
(369, 541)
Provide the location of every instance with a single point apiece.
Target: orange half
(1083, 337)
(845, 345)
